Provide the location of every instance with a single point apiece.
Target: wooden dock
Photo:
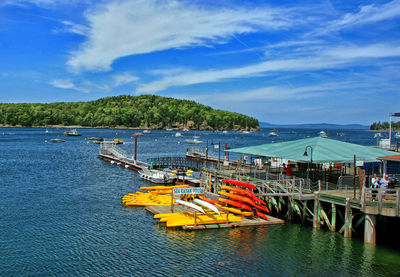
(246, 222)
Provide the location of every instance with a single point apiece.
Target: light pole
(306, 154)
(219, 151)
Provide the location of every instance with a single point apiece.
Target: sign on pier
(187, 191)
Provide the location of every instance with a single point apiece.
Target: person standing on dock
(283, 172)
(385, 183)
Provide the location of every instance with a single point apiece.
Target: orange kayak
(239, 183)
(238, 197)
(246, 192)
(235, 204)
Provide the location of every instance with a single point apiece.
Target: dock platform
(246, 222)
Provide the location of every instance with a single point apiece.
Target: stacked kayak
(240, 195)
(146, 199)
(188, 218)
(156, 196)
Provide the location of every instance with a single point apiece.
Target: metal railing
(108, 148)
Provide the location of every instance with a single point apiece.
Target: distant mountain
(322, 126)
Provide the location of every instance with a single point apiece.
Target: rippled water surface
(61, 215)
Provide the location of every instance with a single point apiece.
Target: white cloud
(75, 28)
(367, 14)
(127, 28)
(67, 84)
(123, 79)
(328, 58)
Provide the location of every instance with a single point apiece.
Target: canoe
(239, 183)
(190, 205)
(260, 214)
(238, 197)
(206, 204)
(202, 219)
(235, 204)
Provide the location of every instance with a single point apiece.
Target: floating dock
(246, 222)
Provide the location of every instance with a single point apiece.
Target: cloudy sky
(283, 62)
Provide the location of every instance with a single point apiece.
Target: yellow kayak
(163, 187)
(146, 199)
(201, 219)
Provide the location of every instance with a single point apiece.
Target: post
(354, 177)
(333, 217)
(316, 224)
(347, 219)
(370, 229)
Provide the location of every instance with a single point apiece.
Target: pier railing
(109, 148)
(380, 201)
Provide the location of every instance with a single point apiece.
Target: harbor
(347, 206)
(79, 204)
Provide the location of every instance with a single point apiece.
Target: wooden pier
(342, 210)
(246, 222)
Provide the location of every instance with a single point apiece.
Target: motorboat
(72, 132)
(57, 140)
(323, 134)
(397, 135)
(378, 135)
(272, 134)
(146, 131)
(193, 141)
(155, 176)
(178, 134)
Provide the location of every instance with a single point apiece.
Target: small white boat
(72, 132)
(206, 204)
(57, 140)
(186, 130)
(47, 131)
(397, 135)
(190, 205)
(246, 132)
(272, 134)
(225, 132)
(323, 134)
(378, 135)
(193, 141)
(155, 176)
(146, 131)
(178, 134)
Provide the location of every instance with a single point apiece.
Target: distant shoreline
(115, 127)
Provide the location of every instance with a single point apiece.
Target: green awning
(324, 150)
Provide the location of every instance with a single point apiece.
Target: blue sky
(279, 61)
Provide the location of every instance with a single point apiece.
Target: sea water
(61, 215)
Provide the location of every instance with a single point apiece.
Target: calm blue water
(61, 215)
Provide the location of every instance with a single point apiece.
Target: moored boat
(155, 176)
(72, 132)
(57, 140)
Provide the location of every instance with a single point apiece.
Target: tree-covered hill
(147, 111)
(384, 126)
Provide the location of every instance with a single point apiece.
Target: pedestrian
(283, 172)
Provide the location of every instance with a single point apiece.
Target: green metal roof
(324, 150)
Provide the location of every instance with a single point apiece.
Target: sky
(283, 62)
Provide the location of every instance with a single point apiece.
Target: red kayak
(246, 192)
(239, 183)
(263, 208)
(235, 204)
(262, 215)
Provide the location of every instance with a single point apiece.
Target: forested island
(145, 111)
(384, 126)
